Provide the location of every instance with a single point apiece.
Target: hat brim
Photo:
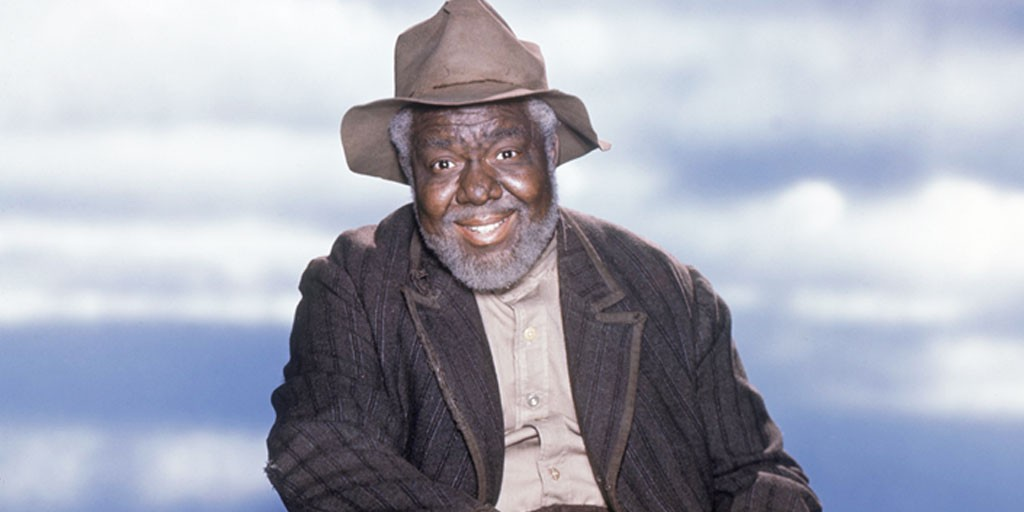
(368, 148)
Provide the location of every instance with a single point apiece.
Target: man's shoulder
(630, 257)
(391, 233)
(606, 236)
(367, 253)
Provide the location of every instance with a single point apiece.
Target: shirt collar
(546, 264)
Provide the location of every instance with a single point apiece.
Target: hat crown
(465, 50)
(464, 55)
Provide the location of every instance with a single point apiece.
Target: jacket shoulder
(394, 229)
(640, 264)
(621, 248)
(368, 251)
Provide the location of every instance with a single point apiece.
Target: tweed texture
(390, 400)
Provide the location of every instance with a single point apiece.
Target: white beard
(501, 270)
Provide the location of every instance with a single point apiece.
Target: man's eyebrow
(504, 133)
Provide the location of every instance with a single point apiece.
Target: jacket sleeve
(751, 470)
(337, 442)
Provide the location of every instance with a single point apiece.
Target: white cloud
(981, 377)
(126, 106)
(971, 376)
(717, 75)
(58, 467)
(201, 466)
(227, 270)
(20, 306)
(952, 231)
(110, 60)
(241, 251)
(182, 168)
(977, 376)
(47, 467)
(949, 236)
(712, 73)
(878, 306)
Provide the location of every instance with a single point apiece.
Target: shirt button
(532, 400)
(555, 473)
(530, 333)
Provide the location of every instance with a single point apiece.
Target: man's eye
(442, 165)
(508, 153)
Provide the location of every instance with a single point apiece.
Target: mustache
(460, 213)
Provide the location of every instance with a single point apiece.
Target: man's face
(483, 191)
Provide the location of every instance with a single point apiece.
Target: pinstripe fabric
(390, 400)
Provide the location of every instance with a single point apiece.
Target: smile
(488, 230)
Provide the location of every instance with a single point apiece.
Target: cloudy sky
(849, 174)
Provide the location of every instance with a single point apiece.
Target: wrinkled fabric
(390, 399)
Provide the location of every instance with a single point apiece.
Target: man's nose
(478, 184)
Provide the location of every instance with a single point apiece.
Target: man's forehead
(513, 112)
(491, 120)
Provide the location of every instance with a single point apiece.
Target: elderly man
(484, 348)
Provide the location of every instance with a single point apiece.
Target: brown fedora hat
(465, 54)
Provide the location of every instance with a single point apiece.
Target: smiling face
(484, 193)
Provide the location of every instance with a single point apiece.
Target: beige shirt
(545, 461)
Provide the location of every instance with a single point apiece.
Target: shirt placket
(532, 379)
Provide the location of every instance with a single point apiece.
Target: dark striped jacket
(390, 399)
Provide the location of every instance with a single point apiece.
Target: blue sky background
(849, 174)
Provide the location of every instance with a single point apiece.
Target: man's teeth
(486, 228)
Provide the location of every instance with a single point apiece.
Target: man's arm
(336, 444)
(752, 472)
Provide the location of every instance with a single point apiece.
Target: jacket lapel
(603, 348)
(448, 325)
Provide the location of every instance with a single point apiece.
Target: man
(484, 348)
